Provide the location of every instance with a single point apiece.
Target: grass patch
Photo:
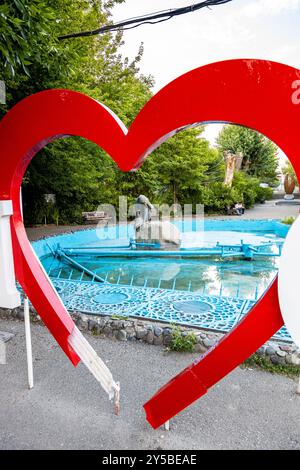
(288, 220)
(119, 317)
(180, 342)
(261, 362)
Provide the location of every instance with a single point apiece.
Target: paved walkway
(250, 409)
(268, 210)
(41, 231)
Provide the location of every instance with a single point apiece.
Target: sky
(262, 29)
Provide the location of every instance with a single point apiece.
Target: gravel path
(250, 409)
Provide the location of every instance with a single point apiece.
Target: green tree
(259, 154)
(80, 174)
(72, 169)
(184, 165)
(77, 172)
(25, 32)
(176, 172)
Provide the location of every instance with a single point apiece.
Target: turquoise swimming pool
(171, 288)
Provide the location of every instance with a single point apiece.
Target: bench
(94, 217)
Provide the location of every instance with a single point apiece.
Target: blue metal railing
(74, 275)
(242, 250)
(74, 271)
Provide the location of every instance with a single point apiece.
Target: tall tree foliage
(259, 154)
(78, 172)
(34, 59)
(25, 33)
(177, 171)
(184, 169)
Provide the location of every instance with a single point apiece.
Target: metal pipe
(79, 266)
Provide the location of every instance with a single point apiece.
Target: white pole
(28, 342)
(27, 324)
(9, 295)
(117, 399)
(167, 425)
(298, 388)
(2, 352)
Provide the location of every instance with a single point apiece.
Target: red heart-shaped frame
(253, 93)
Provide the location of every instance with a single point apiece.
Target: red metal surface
(254, 330)
(254, 93)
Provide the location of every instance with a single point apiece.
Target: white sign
(289, 282)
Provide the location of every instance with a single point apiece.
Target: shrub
(217, 197)
(264, 194)
(250, 189)
(255, 360)
(180, 342)
(288, 220)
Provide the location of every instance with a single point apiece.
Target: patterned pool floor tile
(186, 308)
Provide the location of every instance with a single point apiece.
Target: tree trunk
(174, 193)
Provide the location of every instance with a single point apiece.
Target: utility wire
(151, 18)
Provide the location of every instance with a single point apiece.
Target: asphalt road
(67, 409)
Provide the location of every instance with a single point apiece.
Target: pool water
(230, 277)
(212, 292)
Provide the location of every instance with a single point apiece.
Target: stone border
(159, 334)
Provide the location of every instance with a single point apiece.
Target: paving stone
(92, 324)
(199, 339)
(270, 351)
(2, 353)
(150, 337)
(4, 336)
(288, 359)
(97, 329)
(260, 351)
(130, 331)
(80, 323)
(208, 342)
(158, 340)
(280, 353)
(158, 330)
(131, 338)
(277, 360)
(295, 359)
(141, 333)
(199, 348)
(20, 314)
(167, 331)
(107, 330)
(122, 335)
(284, 347)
